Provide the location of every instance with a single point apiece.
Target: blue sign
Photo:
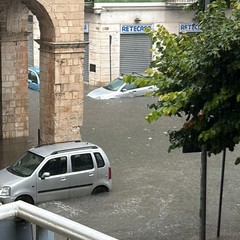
(134, 28)
(189, 27)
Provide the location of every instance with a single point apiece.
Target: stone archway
(14, 100)
(61, 65)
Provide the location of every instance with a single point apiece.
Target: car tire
(26, 199)
(99, 190)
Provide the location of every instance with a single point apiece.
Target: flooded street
(155, 193)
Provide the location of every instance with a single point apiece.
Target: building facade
(117, 43)
(117, 40)
(61, 51)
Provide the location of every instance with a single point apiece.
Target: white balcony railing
(180, 2)
(48, 221)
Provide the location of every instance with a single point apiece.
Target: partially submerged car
(56, 171)
(120, 89)
(34, 78)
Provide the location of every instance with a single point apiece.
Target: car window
(55, 166)
(129, 86)
(81, 162)
(114, 85)
(99, 159)
(32, 76)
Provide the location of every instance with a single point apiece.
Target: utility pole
(203, 181)
(203, 193)
(206, 3)
(221, 194)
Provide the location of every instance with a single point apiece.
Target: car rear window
(99, 160)
(32, 76)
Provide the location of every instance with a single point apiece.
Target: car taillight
(109, 173)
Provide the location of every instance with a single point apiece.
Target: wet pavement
(155, 193)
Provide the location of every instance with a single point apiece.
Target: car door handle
(91, 174)
(62, 179)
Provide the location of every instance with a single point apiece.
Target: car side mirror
(45, 175)
(124, 90)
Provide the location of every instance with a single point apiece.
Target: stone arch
(18, 15)
(61, 65)
(46, 17)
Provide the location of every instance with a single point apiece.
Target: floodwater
(155, 193)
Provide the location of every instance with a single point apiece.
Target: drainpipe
(110, 56)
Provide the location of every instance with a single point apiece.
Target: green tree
(198, 76)
(200, 5)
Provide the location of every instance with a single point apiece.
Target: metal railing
(50, 221)
(180, 2)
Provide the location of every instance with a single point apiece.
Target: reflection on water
(10, 149)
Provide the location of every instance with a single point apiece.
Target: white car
(119, 89)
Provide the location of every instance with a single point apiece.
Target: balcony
(18, 218)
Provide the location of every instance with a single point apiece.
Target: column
(61, 94)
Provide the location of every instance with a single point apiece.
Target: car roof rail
(47, 144)
(73, 149)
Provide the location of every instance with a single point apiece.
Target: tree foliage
(198, 76)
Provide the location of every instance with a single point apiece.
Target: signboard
(189, 27)
(86, 28)
(134, 28)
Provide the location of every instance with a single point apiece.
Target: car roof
(55, 148)
(36, 69)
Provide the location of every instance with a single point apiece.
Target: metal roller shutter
(135, 55)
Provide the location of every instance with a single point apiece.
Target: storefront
(135, 45)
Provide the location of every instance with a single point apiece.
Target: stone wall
(61, 65)
(14, 59)
(61, 97)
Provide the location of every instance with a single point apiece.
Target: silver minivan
(56, 171)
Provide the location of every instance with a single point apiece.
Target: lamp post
(206, 3)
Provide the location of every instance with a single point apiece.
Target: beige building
(117, 41)
(77, 42)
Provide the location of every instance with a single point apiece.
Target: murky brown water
(10, 149)
(155, 194)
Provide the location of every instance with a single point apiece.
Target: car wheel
(26, 199)
(99, 190)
